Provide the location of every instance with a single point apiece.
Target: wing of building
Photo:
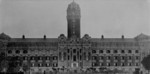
(74, 52)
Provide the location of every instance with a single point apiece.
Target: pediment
(3, 36)
(142, 36)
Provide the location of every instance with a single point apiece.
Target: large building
(73, 52)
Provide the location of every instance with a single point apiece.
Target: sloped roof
(3, 36)
(34, 40)
(73, 5)
(113, 40)
(142, 36)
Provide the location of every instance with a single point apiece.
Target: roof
(142, 36)
(4, 36)
(113, 40)
(73, 5)
(34, 40)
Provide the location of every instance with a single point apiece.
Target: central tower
(73, 20)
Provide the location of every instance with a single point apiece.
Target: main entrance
(74, 65)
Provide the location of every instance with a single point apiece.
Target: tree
(14, 64)
(146, 63)
(26, 67)
(3, 61)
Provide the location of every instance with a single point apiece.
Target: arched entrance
(74, 65)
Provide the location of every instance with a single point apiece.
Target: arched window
(136, 51)
(129, 51)
(122, 51)
(25, 51)
(74, 50)
(17, 51)
(101, 51)
(108, 51)
(93, 51)
(9, 51)
(115, 51)
(74, 58)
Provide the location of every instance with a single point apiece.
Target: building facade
(73, 52)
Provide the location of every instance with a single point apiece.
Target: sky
(111, 18)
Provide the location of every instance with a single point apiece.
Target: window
(60, 56)
(136, 51)
(32, 64)
(123, 57)
(17, 51)
(39, 58)
(47, 64)
(116, 64)
(116, 57)
(55, 58)
(74, 51)
(39, 65)
(130, 64)
(94, 57)
(68, 50)
(137, 64)
(80, 50)
(80, 57)
(54, 64)
(89, 56)
(102, 64)
(108, 51)
(102, 57)
(122, 51)
(93, 51)
(94, 64)
(137, 58)
(122, 64)
(101, 51)
(108, 64)
(108, 57)
(9, 51)
(130, 57)
(25, 51)
(25, 58)
(74, 58)
(129, 51)
(115, 51)
(47, 58)
(68, 57)
(31, 58)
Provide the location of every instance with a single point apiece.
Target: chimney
(44, 36)
(23, 36)
(102, 37)
(122, 36)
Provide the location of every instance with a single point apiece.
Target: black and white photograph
(74, 36)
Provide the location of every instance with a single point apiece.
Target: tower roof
(73, 5)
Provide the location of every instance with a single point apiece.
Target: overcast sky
(112, 18)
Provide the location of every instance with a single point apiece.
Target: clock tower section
(73, 20)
